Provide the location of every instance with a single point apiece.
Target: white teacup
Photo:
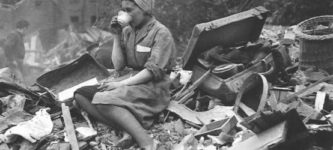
(124, 18)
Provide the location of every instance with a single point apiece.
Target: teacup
(124, 18)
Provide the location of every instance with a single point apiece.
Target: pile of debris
(249, 93)
(237, 87)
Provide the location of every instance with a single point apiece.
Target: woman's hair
(22, 24)
(133, 1)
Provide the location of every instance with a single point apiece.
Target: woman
(146, 46)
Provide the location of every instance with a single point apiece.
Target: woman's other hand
(108, 86)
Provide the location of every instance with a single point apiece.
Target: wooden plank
(320, 100)
(247, 110)
(69, 127)
(272, 101)
(186, 97)
(294, 96)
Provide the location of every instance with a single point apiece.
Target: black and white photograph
(166, 74)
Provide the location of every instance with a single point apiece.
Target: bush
(181, 15)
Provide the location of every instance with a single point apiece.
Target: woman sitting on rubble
(146, 46)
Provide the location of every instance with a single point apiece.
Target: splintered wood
(69, 127)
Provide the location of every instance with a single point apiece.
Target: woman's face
(137, 14)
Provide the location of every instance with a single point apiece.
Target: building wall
(48, 16)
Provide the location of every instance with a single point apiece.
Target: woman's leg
(86, 105)
(125, 119)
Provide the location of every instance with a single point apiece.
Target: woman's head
(139, 10)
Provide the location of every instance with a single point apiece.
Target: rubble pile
(238, 86)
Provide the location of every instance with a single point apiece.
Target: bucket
(316, 43)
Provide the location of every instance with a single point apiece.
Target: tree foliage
(181, 15)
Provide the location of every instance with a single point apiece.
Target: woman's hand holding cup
(115, 27)
(118, 22)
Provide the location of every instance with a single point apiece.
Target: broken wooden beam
(320, 101)
(193, 86)
(186, 97)
(69, 127)
(247, 110)
(294, 96)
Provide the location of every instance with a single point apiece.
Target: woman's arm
(161, 53)
(141, 77)
(117, 57)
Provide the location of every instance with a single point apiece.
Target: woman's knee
(106, 108)
(79, 98)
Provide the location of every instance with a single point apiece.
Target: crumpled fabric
(32, 130)
(6, 74)
(146, 5)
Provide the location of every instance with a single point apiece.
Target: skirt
(144, 101)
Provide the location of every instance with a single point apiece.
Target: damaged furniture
(235, 30)
(287, 132)
(74, 73)
(68, 76)
(252, 96)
